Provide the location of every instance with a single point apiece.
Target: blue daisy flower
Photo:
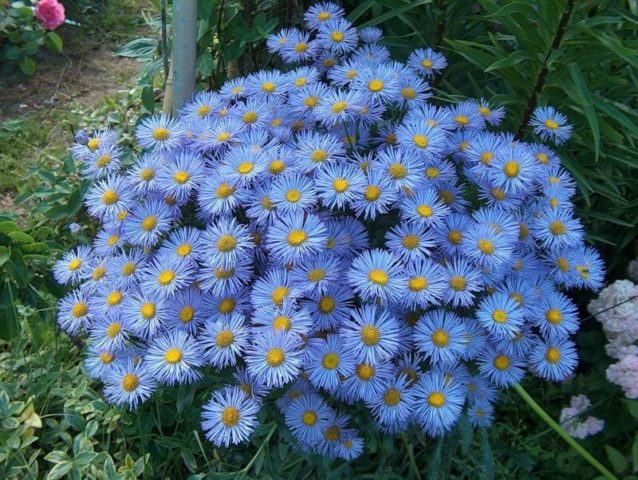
(181, 176)
(302, 77)
(73, 266)
(366, 381)
(104, 161)
(100, 362)
(74, 312)
(185, 311)
(293, 193)
(203, 105)
(463, 281)
(274, 358)
(372, 334)
(266, 84)
(337, 36)
(422, 139)
(220, 281)
(589, 267)
(316, 150)
(226, 243)
(377, 83)
(377, 275)
(183, 243)
(392, 408)
(549, 124)
(449, 234)
(221, 134)
(486, 247)
(439, 336)
(146, 223)
(500, 315)
(86, 144)
(296, 236)
(126, 268)
(143, 174)
(274, 290)
(322, 12)
(557, 228)
(227, 304)
(229, 417)
(440, 403)
(174, 358)
(370, 34)
(145, 314)
(328, 361)
(160, 133)
(338, 185)
(377, 197)
(427, 62)
(430, 116)
(165, 275)
(109, 331)
(339, 106)
(424, 208)
(297, 322)
(106, 198)
(316, 274)
(307, 417)
(129, 384)
(500, 368)
(425, 284)
(481, 414)
(492, 115)
(347, 237)
(410, 242)
(553, 359)
(404, 170)
(276, 41)
(556, 316)
(330, 309)
(223, 340)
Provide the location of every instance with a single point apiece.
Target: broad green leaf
(27, 65)
(617, 459)
(53, 41)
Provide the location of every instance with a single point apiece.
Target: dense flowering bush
(571, 421)
(338, 240)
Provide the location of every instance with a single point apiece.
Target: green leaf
(395, 12)
(8, 226)
(634, 454)
(57, 456)
(59, 470)
(20, 237)
(584, 98)
(617, 459)
(5, 254)
(53, 41)
(27, 65)
(513, 58)
(148, 98)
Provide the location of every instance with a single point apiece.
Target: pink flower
(625, 374)
(50, 13)
(576, 427)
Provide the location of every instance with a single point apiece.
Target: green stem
(568, 438)
(247, 468)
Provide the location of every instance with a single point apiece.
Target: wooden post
(184, 51)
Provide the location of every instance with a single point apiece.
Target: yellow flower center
(370, 335)
(93, 144)
(336, 36)
(309, 418)
(297, 237)
(181, 177)
(161, 133)
(275, 357)
(427, 63)
(268, 87)
(458, 283)
(223, 136)
(327, 305)
(112, 240)
(330, 361)
(130, 382)
(249, 117)
(98, 273)
(184, 250)
(552, 355)
(245, 168)
(149, 223)
(397, 170)
(454, 237)
(226, 306)
(114, 298)
(485, 246)
(147, 174)
(278, 295)
(282, 322)
(166, 277)
(203, 111)
(300, 82)
(114, 329)
(436, 399)
(103, 161)
(316, 274)
(340, 185)
(511, 169)
(420, 141)
(318, 155)
(486, 158)
(186, 314)
(339, 107)
(222, 274)
(554, 316)
(424, 211)
(332, 434)
(75, 264)
(79, 309)
(408, 93)
(173, 355)
(440, 338)
(501, 362)
(551, 124)
(147, 310)
(392, 397)
(365, 371)
(462, 120)
(542, 158)
(226, 243)
(417, 284)
(557, 228)
(323, 16)
(484, 111)
(230, 416)
(106, 357)
(110, 197)
(378, 276)
(267, 204)
(293, 196)
(499, 316)
(410, 241)
(276, 166)
(391, 139)
(372, 193)
(301, 47)
(129, 269)
(224, 338)
(375, 85)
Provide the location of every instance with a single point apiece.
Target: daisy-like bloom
(424, 208)
(321, 13)
(302, 77)
(556, 316)
(276, 41)
(203, 105)
(404, 170)
(492, 115)
(183, 243)
(145, 314)
(328, 361)
(221, 133)
(393, 406)
(106, 198)
(589, 267)
(108, 331)
(242, 166)
(109, 298)
(274, 290)
(229, 417)
(234, 89)
(439, 404)
(74, 311)
(377, 83)
(331, 308)
(347, 237)
(85, 144)
(185, 311)
(439, 336)
(73, 266)
(463, 281)
(376, 197)
(337, 36)
(100, 362)
(304, 101)
(377, 275)
(293, 193)
(266, 84)
(366, 381)
(345, 73)
(226, 305)
(165, 275)
(316, 274)
(420, 138)
(500, 368)
(370, 34)
(480, 155)
(514, 169)
(450, 233)
(465, 115)
(425, 284)
(142, 176)
(174, 358)
(146, 223)
(129, 383)
(226, 242)
(338, 184)
(339, 106)
(487, 247)
(481, 414)
(274, 358)
(307, 417)
(500, 315)
(549, 124)
(427, 62)
(126, 268)
(372, 335)
(299, 48)
(553, 359)
(223, 340)
(103, 162)
(557, 228)
(350, 446)
(296, 236)
(181, 176)
(410, 242)
(160, 133)
(297, 322)
(430, 116)
(316, 150)
(218, 196)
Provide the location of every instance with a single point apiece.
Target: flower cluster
(617, 309)
(570, 419)
(338, 240)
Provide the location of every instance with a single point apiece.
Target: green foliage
(21, 36)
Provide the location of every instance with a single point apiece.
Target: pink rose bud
(50, 13)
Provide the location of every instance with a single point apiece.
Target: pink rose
(50, 13)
